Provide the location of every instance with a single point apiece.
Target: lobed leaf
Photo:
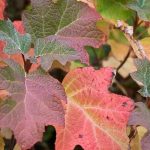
(16, 43)
(52, 50)
(95, 118)
(66, 22)
(33, 101)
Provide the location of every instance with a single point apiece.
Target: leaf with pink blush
(32, 102)
(67, 23)
(95, 119)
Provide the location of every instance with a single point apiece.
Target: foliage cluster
(90, 40)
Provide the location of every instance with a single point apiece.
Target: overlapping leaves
(65, 22)
(32, 102)
(16, 43)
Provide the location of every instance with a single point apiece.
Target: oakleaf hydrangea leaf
(52, 50)
(142, 76)
(141, 116)
(15, 43)
(95, 118)
(65, 21)
(142, 8)
(33, 101)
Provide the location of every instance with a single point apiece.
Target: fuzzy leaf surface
(15, 43)
(142, 8)
(141, 116)
(95, 118)
(142, 76)
(33, 101)
(68, 22)
(52, 50)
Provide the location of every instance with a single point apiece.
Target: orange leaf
(95, 118)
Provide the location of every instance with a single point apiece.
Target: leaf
(15, 43)
(104, 26)
(142, 76)
(118, 49)
(140, 116)
(119, 44)
(142, 8)
(95, 118)
(91, 3)
(52, 50)
(66, 22)
(18, 25)
(114, 9)
(2, 7)
(35, 100)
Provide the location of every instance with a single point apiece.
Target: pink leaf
(95, 119)
(33, 101)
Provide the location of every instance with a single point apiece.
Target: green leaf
(69, 23)
(142, 7)
(15, 43)
(52, 50)
(114, 9)
(142, 76)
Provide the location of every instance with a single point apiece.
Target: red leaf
(95, 119)
(2, 7)
(19, 27)
(30, 103)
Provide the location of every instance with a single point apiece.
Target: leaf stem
(27, 64)
(125, 59)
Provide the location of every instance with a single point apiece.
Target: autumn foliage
(95, 43)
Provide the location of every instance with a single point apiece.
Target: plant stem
(27, 64)
(125, 59)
